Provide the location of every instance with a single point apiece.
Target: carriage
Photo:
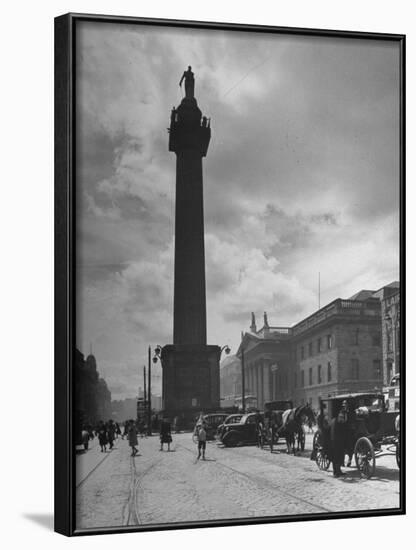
(373, 431)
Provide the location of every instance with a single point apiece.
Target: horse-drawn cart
(370, 431)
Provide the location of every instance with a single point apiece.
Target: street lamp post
(156, 357)
(243, 383)
(149, 392)
(227, 351)
(144, 385)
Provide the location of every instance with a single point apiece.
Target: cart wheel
(365, 459)
(321, 458)
(398, 452)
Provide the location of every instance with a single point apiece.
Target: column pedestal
(191, 379)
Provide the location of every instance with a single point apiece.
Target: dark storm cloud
(303, 162)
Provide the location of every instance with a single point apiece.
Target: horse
(292, 425)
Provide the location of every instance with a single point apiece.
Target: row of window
(319, 346)
(354, 373)
(355, 340)
(302, 375)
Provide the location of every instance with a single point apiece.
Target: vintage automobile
(244, 432)
(231, 419)
(214, 420)
(374, 430)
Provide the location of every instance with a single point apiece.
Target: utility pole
(243, 383)
(144, 384)
(149, 392)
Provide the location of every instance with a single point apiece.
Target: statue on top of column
(188, 76)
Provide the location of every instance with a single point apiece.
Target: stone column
(266, 382)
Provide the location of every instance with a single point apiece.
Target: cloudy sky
(301, 177)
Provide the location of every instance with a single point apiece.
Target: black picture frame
(65, 196)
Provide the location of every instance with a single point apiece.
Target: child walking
(201, 434)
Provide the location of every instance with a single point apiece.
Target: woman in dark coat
(339, 435)
(165, 434)
(132, 436)
(111, 433)
(102, 437)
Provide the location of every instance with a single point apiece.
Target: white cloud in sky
(301, 177)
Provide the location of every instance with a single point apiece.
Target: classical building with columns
(349, 345)
(267, 362)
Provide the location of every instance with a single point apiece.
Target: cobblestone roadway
(242, 482)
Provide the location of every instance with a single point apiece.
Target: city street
(156, 487)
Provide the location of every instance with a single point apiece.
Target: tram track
(266, 484)
(131, 509)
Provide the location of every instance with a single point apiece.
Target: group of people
(108, 432)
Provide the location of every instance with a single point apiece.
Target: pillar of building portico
(266, 381)
(257, 375)
(261, 383)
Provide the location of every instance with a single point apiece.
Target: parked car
(243, 432)
(232, 419)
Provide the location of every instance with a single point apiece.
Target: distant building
(347, 346)
(124, 409)
(230, 384)
(390, 329)
(267, 362)
(337, 350)
(92, 396)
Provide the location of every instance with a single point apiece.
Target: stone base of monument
(191, 380)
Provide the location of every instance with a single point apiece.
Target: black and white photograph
(237, 224)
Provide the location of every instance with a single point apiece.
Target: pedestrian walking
(259, 430)
(142, 428)
(201, 435)
(85, 438)
(118, 430)
(102, 437)
(132, 437)
(125, 429)
(111, 433)
(165, 433)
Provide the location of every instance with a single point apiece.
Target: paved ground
(114, 489)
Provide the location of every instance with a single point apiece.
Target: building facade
(347, 346)
(337, 350)
(390, 329)
(92, 396)
(266, 354)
